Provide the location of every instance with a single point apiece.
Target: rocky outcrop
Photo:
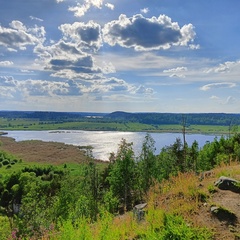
(226, 183)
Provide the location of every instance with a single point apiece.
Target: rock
(224, 214)
(226, 183)
(139, 212)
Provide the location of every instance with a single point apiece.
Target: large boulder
(139, 212)
(226, 183)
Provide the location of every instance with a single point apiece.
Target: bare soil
(224, 229)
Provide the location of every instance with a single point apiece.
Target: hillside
(180, 198)
(67, 201)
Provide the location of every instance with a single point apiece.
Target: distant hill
(47, 115)
(221, 119)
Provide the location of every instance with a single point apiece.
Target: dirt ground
(226, 199)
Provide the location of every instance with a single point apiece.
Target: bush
(8, 166)
(5, 162)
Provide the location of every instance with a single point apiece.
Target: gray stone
(226, 183)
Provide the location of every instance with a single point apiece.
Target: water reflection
(104, 143)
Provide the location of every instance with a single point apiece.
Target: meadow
(35, 124)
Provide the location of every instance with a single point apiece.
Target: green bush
(8, 166)
(5, 162)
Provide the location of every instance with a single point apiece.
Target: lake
(104, 143)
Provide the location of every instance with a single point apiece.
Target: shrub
(8, 166)
(5, 162)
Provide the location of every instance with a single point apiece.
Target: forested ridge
(177, 118)
(51, 202)
(223, 119)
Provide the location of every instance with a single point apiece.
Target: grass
(34, 124)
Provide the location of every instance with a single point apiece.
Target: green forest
(54, 202)
(210, 123)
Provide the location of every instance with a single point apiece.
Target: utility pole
(184, 138)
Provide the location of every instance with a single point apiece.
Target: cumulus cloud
(143, 90)
(7, 81)
(214, 97)
(6, 63)
(224, 67)
(81, 8)
(35, 87)
(173, 70)
(144, 10)
(217, 85)
(110, 6)
(19, 36)
(53, 88)
(176, 72)
(143, 33)
(86, 35)
(66, 60)
(112, 84)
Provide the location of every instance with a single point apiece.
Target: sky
(120, 55)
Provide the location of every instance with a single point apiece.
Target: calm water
(104, 143)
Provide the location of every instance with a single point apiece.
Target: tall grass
(171, 205)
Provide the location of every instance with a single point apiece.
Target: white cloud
(25, 71)
(80, 9)
(35, 18)
(143, 90)
(7, 81)
(214, 97)
(87, 36)
(6, 93)
(66, 60)
(6, 63)
(147, 33)
(194, 46)
(227, 101)
(225, 67)
(230, 100)
(144, 10)
(217, 85)
(110, 6)
(176, 72)
(30, 87)
(19, 36)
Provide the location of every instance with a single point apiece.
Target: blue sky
(105, 56)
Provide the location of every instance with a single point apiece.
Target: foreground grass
(126, 227)
(173, 212)
(169, 215)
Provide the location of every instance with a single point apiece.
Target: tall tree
(147, 163)
(122, 175)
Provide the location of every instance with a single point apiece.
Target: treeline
(221, 119)
(38, 199)
(41, 116)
